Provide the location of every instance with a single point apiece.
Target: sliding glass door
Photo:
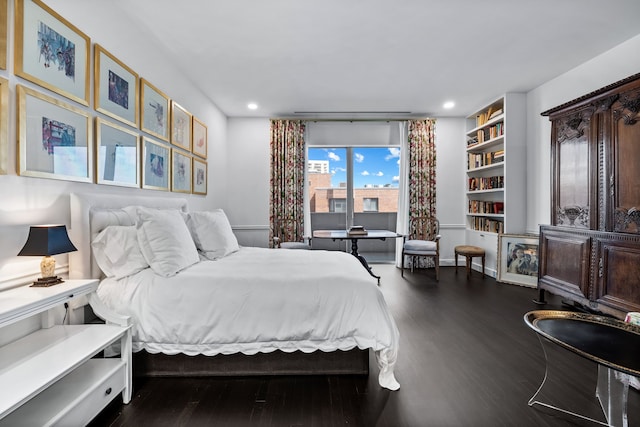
(354, 186)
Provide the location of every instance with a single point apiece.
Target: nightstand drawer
(101, 394)
(75, 399)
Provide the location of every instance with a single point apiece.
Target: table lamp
(45, 241)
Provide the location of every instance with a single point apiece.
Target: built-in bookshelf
(495, 173)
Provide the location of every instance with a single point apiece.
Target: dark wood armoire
(590, 254)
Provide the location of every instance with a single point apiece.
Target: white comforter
(260, 300)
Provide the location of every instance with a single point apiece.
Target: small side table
(469, 252)
(612, 344)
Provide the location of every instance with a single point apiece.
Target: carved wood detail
(630, 108)
(573, 126)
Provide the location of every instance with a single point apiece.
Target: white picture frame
(518, 259)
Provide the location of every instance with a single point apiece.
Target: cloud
(394, 152)
(336, 170)
(359, 158)
(395, 179)
(365, 173)
(380, 173)
(333, 156)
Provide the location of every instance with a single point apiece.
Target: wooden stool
(469, 252)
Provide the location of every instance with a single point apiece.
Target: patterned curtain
(422, 173)
(286, 200)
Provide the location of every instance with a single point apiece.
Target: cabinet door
(618, 282)
(565, 263)
(573, 158)
(625, 180)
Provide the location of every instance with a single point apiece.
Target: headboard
(92, 213)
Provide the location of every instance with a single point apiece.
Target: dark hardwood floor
(466, 359)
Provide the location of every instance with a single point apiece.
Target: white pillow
(165, 241)
(212, 233)
(117, 252)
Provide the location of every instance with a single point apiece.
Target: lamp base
(44, 282)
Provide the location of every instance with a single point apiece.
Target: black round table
(613, 344)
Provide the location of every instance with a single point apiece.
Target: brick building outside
(324, 198)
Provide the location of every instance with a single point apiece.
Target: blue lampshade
(47, 240)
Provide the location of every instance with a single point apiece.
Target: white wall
(613, 65)
(26, 201)
(450, 184)
(248, 180)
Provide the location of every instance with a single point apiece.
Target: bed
(237, 306)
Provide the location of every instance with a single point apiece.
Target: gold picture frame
(155, 108)
(156, 165)
(199, 179)
(115, 88)
(54, 138)
(180, 171)
(180, 126)
(117, 155)
(50, 51)
(199, 139)
(4, 16)
(4, 124)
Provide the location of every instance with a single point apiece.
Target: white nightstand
(51, 376)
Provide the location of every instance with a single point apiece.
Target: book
(495, 113)
(357, 230)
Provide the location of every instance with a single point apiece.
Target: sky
(374, 166)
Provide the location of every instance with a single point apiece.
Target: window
(353, 179)
(338, 205)
(370, 204)
(353, 171)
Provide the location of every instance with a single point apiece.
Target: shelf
(487, 167)
(487, 144)
(491, 190)
(61, 399)
(491, 233)
(487, 215)
(487, 124)
(33, 363)
(25, 301)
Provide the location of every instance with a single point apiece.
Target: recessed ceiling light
(252, 106)
(449, 105)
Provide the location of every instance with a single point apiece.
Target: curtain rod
(395, 119)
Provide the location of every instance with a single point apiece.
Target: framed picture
(115, 88)
(180, 126)
(199, 178)
(154, 111)
(53, 138)
(117, 155)
(4, 14)
(4, 124)
(50, 51)
(156, 165)
(199, 140)
(180, 171)
(518, 259)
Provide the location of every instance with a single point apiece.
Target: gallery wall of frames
(141, 137)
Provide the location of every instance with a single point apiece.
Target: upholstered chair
(423, 241)
(283, 230)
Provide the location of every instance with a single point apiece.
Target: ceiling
(372, 58)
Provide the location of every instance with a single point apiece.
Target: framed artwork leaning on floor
(518, 259)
